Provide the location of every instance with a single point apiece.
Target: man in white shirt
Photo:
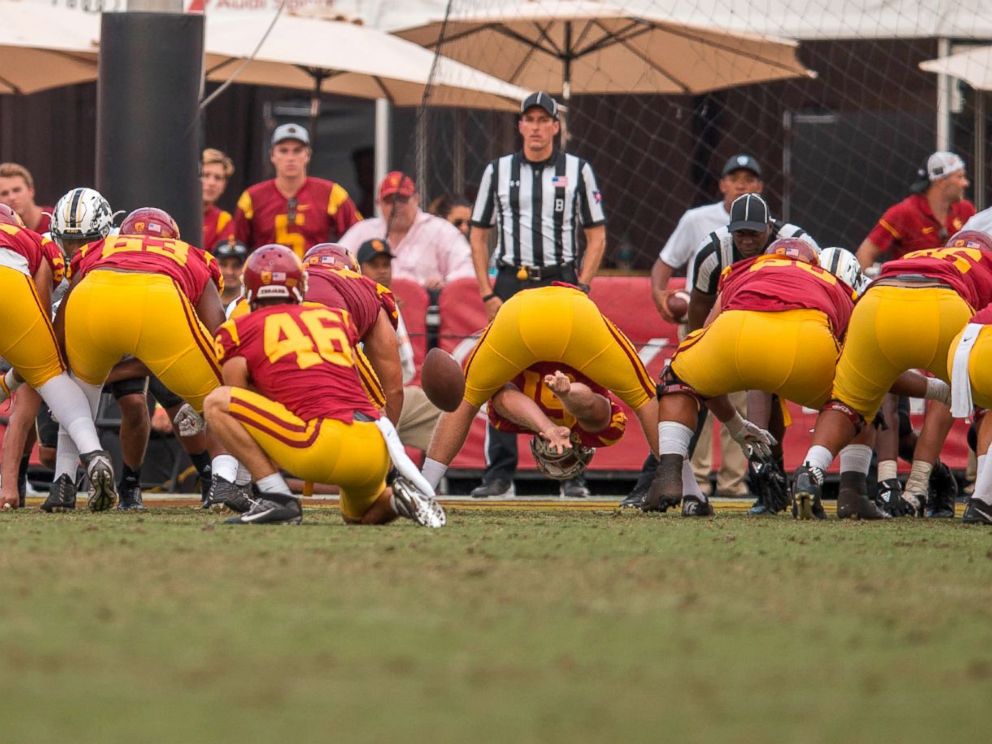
(427, 249)
(741, 175)
(981, 222)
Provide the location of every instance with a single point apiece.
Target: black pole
(148, 131)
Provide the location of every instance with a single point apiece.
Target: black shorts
(133, 386)
(47, 428)
(165, 397)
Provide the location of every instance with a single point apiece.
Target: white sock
(72, 410)
(225, 466)
(690, 487)
(819, 457)
(983, 483)
(66, 455)
(674, 438)
(243, 478)
(919, 477)
(855, 458)
(938, 390)
(887, 470)
(433, 471)
(274, 483)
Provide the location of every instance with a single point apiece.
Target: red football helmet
(331, 255)
(274, 271)
(794, 248)
(971, 239)
(150, 221)
(9, 217)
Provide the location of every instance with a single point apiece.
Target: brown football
(442, 380)
(678, 305)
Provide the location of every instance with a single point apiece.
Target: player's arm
(523, 410)
(209, 308)
(661, 273)
(700, 305)
(479, 242)
(43, 283)
(59, 322)
(868, 253)
(234, 372)
(382, 350)
(592, 256)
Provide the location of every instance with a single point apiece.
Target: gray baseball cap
(290, 132)
(540, 100)
(742, 161)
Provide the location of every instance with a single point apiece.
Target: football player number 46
(316, 337)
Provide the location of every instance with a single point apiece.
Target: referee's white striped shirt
(538, 207)
(718, 251)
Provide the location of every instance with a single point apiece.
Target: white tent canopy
(973, 66)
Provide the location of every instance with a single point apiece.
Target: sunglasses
(395, 199)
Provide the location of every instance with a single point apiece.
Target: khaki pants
(733, 464)
(417, 419)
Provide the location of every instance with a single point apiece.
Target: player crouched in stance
(776, 327)
(969, 359)
(907, 319)
(556, 333)
(28, 342)
(292, 399)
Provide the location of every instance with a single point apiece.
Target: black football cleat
(665, 491)
(271, 508)
(890, 499)
(806, 489)
(943, 493)
(61, 496)
(224, 493)
(977, 512)
(130, 497)
(853, 501)
(692, 506)
(496, 488)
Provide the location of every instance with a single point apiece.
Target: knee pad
(853, 416)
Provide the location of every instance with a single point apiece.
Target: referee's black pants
(501, 446)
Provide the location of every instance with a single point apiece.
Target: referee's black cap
(542, 100)
(742, 161)
(749, 212)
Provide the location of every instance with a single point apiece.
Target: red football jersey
(218, 226)
(983, 316)
(187, 265)
(320, 212)
(24, 242)
(357, 294)
(773, 284)
(911, 225)
(45, 224)
(531, 383)
(967, 270)
(56, 260)
(301, 356)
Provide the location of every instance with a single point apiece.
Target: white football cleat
(413, 504)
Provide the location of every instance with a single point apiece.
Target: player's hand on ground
(558, 383)
(559, 437)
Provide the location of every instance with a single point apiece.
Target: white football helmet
(82, 214)
(845, 266)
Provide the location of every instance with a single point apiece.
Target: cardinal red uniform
(218, 226)
(531, 383)
(910, 326)
(362, 298)
(136, 295)
(319, 212)
(300, 359)
(27, 340)
(911, 225)
(779, 330)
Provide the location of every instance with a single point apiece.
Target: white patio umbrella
(318, 54)
(578, 46)
(973, 66)
(43, 47)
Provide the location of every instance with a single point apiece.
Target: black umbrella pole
(148, 148)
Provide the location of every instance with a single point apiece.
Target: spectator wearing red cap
(427, 249)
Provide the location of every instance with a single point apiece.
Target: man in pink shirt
(427, 249)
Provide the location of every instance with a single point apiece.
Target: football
(678, 305)
(442, 380)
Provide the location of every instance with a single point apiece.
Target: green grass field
(523, 626)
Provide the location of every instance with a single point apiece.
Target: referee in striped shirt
(536, 199)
